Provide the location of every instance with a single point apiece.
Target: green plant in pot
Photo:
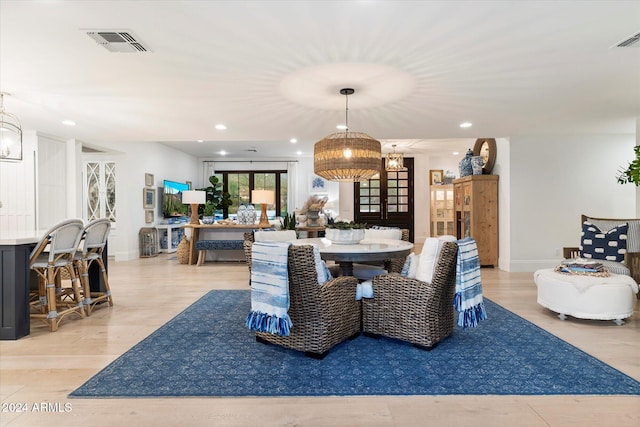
(632, 173)
(345, 233)
(288, 222)
(344, 225)
(219, 198)
(207, 213)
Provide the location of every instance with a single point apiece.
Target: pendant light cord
(346, 113)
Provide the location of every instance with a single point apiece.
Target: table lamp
(194, 198)
(264, 197)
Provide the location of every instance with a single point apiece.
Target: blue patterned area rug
(207, 351)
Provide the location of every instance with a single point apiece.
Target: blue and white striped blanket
(468, 298)
(269, 288)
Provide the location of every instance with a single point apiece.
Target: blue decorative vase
(251, 214)
(243, 215)
(465, 166)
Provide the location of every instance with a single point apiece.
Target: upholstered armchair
(412, 310)
(323, 315)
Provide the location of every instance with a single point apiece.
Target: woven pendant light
(347, 156)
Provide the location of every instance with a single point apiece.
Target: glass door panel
(386, 199)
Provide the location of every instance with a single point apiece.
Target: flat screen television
(172, 199)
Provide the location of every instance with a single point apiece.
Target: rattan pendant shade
(347, 156)
(331, 158)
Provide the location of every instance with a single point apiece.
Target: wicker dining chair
(52, 256)
(322, 315)
(412, 310)
(93, 245)
(250, 237)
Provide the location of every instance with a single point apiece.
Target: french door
(386, 199)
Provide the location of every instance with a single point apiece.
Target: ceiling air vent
(117, 41)
(633, 41)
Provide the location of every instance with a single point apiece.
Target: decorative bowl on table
(351, 236)
(207, 220)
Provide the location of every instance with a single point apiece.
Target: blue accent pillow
(324, 274)
(608, 245)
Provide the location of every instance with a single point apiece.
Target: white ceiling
(272, 70)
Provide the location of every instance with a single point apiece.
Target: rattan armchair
(411, 310)
(322, 315)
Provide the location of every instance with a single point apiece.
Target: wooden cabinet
(476, 213)
(442, 211)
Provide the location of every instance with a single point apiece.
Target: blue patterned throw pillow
(609, 245)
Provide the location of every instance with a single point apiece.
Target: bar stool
(62, 240)
(95, 240)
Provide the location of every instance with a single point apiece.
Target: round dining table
(366, 251)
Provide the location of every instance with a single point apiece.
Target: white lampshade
(266, 197)
(194, 197)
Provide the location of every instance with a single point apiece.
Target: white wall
(133, 160)
(303, 188)
(34, 192)
(17, 188)
(553, 180)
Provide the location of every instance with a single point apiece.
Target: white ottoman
(586, 297)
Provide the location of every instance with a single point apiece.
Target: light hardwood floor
(46, 367)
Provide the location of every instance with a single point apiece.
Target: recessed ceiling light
(341, 127)
(466, 125)
(220, 126)
(200, 140)
(455, 153)
(223, 153)
(299, 153)
(68, 122)
(293, 140)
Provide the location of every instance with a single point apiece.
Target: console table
(215, 232)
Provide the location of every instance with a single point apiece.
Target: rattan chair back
(412, 310)
(94, 243)
(51, 302)
(322, 315)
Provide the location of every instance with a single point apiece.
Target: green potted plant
(207, 213)
(632, 173)
(345, 233)
(220, 199)
(344, 225)
(288, 222)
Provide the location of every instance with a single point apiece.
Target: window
(240, 183)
